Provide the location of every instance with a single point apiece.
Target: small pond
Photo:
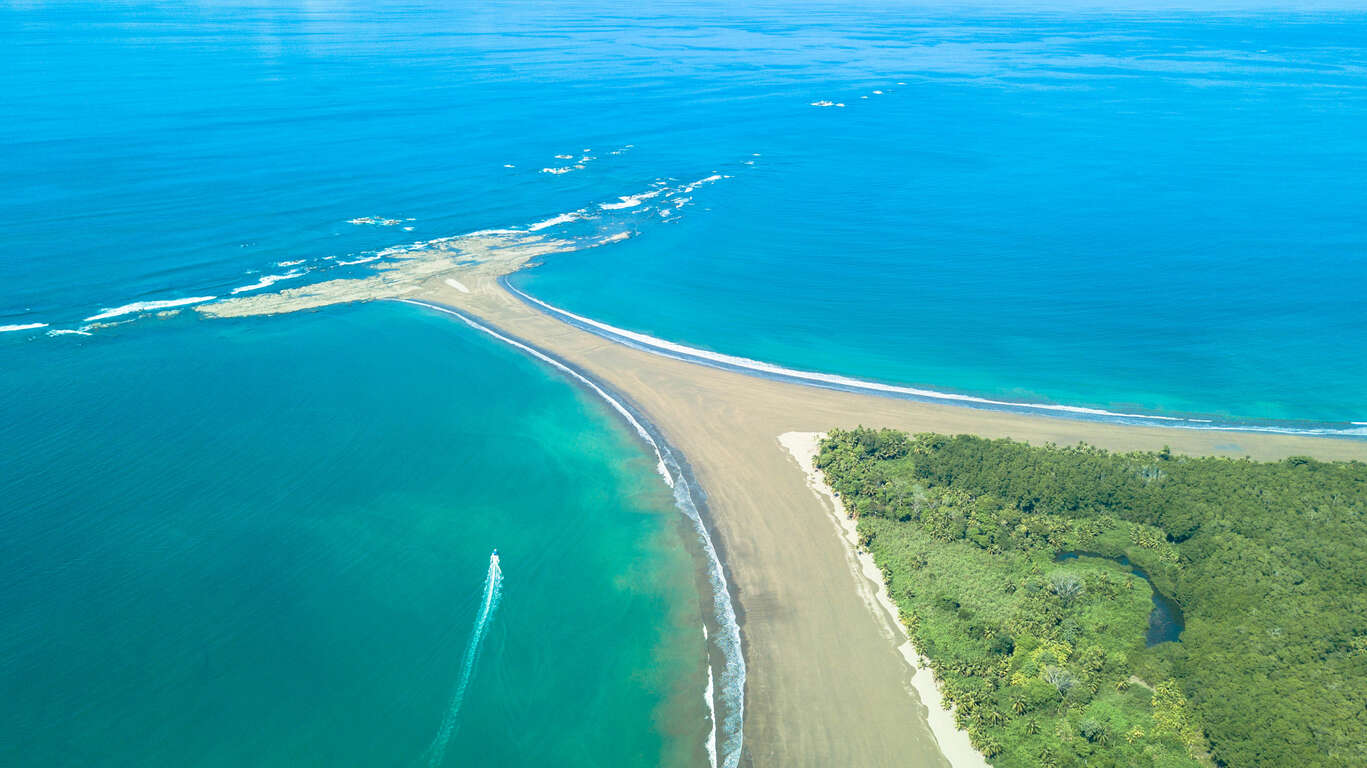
(1165, 620)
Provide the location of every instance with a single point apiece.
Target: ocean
(265, 541)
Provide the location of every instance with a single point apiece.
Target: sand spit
(826, 683)
(400, 272)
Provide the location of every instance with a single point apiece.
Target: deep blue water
(1158, 214)
(1159, 211)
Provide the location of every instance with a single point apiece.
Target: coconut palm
(1067, 586)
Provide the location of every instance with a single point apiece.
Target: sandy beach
(827, 680)
(953, 742)
(826, 683)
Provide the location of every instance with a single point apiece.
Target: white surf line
(708, 693)
(147, 306)
(831, 380)
(759, 366)
(953, 741)
(21, 327)
(266, 281)
(724, 743)
(538, 354)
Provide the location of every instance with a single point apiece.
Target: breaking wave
(726, 695)
(147, 306)
(268, 280)
(847, 383)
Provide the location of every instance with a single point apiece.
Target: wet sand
(826, 684)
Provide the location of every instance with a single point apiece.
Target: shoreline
(1351, 430)
(478, 258)
(725, 704)
(825, 682)
(953, 741)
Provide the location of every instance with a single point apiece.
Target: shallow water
(264, 542)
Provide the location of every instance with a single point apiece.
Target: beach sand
(826, 682)
(953, 742)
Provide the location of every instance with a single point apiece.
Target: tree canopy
(1045, 660)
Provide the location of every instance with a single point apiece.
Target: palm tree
(1093, 731)
(1067, 586)
(1018, 705)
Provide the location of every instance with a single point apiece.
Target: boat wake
(493, 590)
(725, 694)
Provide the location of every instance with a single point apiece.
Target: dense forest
(1044, 654)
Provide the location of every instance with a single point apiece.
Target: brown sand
(825, 682)
(954, 743)
(826, 685)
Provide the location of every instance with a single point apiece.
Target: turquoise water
(264, 543)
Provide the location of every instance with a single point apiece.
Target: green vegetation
(1045, 661)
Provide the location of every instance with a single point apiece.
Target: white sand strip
(953, 742)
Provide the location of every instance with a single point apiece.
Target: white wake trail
(493, 589)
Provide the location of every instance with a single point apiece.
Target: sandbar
(827, 681)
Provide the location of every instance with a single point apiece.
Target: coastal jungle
(1088, 608)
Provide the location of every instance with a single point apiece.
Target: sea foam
(268, 280)
(629, 201)
(725, 743)
(21, 327)
(147, 306)
(836, 381)
(563, 218)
